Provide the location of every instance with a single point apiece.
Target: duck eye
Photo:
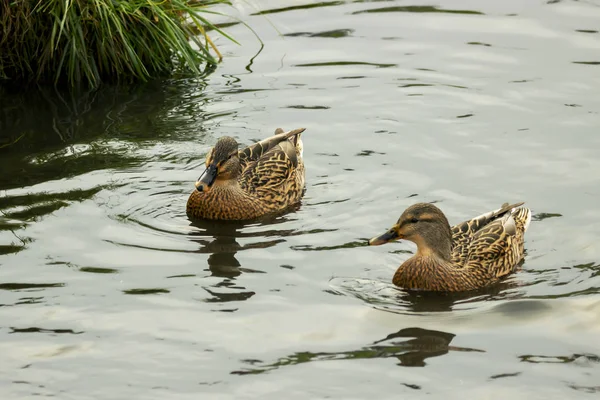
(414, 220)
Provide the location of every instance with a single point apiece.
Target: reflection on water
(143, 291)
(219, 240)
(578, 358)
(336, 33)
(421, 345)
(300, 7)
(418, 9)
(28, 286)
(42, 330)
(50, 133)
(387, 297)
(20, 288)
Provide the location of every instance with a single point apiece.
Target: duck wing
(271, 164)
(486, 227)
(255, 152)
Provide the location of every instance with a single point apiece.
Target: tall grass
(86, 42)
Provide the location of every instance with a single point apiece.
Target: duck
(237, 185)
(469, 256)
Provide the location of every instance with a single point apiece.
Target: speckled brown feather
(255, 152)
(485, 250)
(464, 233)
(272, 180)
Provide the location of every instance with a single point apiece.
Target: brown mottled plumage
(468, 256)
(264, 178)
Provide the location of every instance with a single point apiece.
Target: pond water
(108, 291)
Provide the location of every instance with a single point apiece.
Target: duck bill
(389, 236)
(207, 179)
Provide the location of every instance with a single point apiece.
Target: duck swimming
(471, 255)
(265, 178)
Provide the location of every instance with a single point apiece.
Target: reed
(86, 42)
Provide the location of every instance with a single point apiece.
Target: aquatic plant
(91, 41)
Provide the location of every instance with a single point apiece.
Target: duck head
(423, 224)
(222, 164)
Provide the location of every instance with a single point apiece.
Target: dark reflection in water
(46, 120)
(29, 286)
(542, 216)
(586, 389)
(336, 33)
(48, 134)
(18, 211)
(418, 9)
(581, 273)
(141, 291)
(345, 63)
(539, 359)
(219, 240)
(98, 270)
(419, 302)
(349, 245)
(300, 7)
(587, 62)
(581, 360)
(42, 330)
(479, 44)
(506, 375)
(387, 297)
(421, 345)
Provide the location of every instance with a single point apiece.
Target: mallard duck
(264, 178)
(468, 256)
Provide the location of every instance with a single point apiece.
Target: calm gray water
(108, 291)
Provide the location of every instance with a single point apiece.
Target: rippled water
(107, 290)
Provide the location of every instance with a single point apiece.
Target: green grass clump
(92, 41)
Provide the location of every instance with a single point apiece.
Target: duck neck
(225, 185)
(436, 244)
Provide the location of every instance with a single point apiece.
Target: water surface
(107, 290)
